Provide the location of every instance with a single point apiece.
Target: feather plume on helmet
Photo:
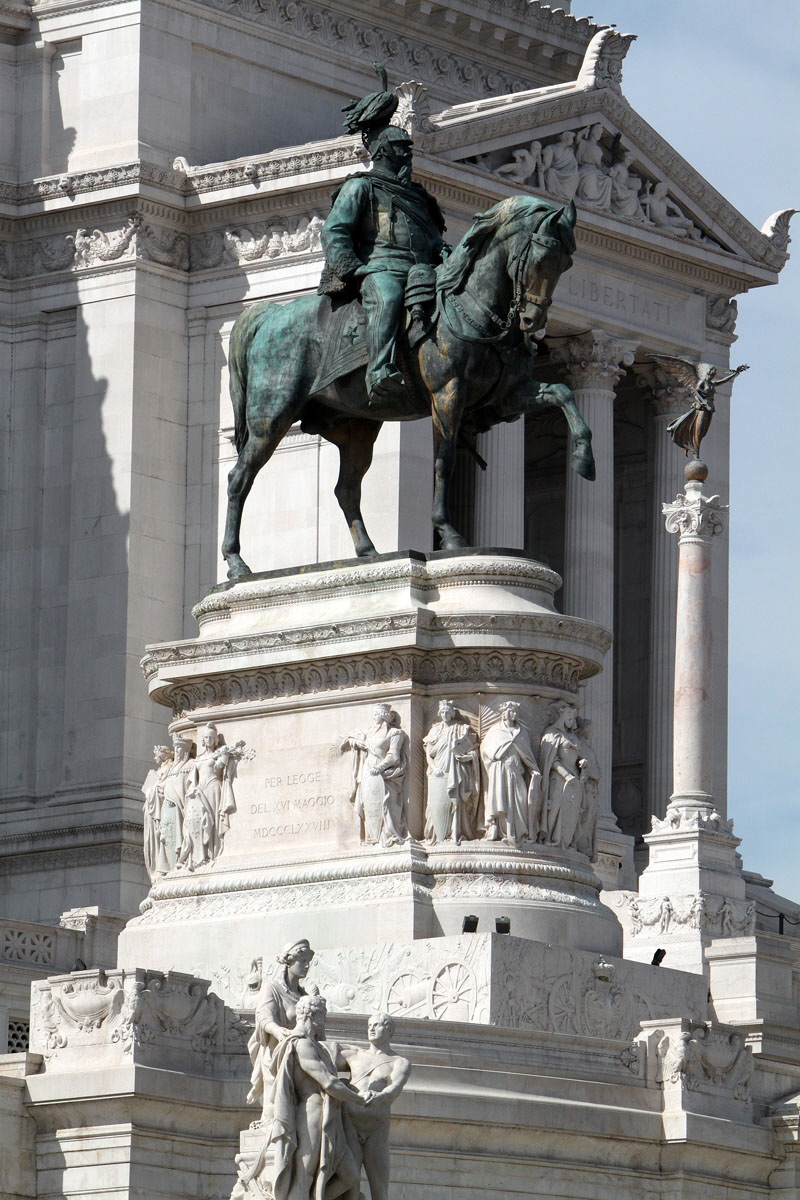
(372, 114)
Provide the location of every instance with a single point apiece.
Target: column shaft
(500, 489)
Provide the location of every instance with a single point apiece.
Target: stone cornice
(519, 42)
(14, 18)
(286, 188)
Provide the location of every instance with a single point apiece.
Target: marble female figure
(559, 167)
(274, 1017)
(380, 766)
(454, 781)
(625, 189)
(594, 182)
(153, 788)
(172, 809)
(562, 787)
(511, 771)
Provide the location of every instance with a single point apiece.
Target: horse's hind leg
(257, 450)
(355, 439)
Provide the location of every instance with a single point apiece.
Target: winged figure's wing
(683, 369)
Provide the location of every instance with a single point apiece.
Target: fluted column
(668, 401)
(500, 489)
(594, 362)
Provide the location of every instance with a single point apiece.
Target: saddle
(343, 323)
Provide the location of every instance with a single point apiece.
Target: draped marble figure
(312, 1159)
(380, 766)
(511, 775)
(454, 778)
(274, 1016)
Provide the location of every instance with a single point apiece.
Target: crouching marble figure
(380, 766)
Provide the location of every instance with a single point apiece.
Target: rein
(520, 297)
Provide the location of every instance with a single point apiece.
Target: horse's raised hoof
(583, 462)
(237, 567)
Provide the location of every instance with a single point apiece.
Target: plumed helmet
(372, 113)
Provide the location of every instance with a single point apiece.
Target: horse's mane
(452, 274)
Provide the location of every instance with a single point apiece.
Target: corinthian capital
(594, 359)
(694, 515)
(668, 397)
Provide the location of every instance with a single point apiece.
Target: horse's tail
(242, 334)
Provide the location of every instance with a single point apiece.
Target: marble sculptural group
(489, 788)
(189, 801)
(318, 1129)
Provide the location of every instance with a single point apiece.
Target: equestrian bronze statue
(401, 329)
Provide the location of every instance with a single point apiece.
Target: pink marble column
(696, 518)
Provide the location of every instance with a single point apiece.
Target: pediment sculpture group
(577, 166)
(325, 1106)
(493, 788)
(189, 801)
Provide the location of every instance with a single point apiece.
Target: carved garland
(424, 667)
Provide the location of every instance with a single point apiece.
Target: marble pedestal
(293, 662)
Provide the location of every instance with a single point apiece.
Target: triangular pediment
(590, 145)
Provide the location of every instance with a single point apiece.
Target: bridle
(521, 297)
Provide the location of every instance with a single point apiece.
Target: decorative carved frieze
(354, 671)
(722, 917)
(593, 167)
(135, 239)
(402, 53)
(99, 1018)
(262, 241)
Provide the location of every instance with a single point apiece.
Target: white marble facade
(133, 232)
(168, 164)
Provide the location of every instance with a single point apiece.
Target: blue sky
(720, 79)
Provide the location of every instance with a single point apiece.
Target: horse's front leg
(545, 395)
(447, 410)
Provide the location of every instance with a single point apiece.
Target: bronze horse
(473, 367)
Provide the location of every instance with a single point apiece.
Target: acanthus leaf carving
(602, 62)
(776, 228)
(692, 514)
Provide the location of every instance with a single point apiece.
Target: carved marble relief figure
(556, 815)
(380, 765)
(209, 802)
(454, 779)
(153, 788)
(586, 837)
(511, 774)
(559, 169)
(274, 1017)
(594, 182)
